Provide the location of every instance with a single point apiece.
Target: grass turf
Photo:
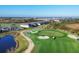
(61, 44)
(23, 44)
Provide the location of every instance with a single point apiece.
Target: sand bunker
(73, 36)
(43, 37)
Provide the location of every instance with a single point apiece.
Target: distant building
(25, 26)
(42, 19)
(34, 24)
(56, 20)
(4, 29)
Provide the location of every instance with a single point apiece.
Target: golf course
(53, 41)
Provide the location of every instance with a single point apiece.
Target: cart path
(30, 43)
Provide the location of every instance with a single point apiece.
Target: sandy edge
(30, 45)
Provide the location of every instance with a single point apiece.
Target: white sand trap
(43, 37)
(34, 32)
(73, 36)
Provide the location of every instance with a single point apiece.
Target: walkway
(31, 44)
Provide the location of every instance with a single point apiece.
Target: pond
(6, 43)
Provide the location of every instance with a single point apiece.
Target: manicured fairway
(60, 44)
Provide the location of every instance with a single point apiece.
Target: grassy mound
(51, 33)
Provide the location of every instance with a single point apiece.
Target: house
(5, 29)
(38, 24)
(57, 20)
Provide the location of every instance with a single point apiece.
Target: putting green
(51, 33)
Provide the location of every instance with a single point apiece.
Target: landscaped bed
(58, 41)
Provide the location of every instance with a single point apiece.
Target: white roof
(26, 26)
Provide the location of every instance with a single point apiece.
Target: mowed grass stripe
(53, 46)
(45, 46)
(69, 46)
(76, 46)
(64, 46)
(73, 49)
(59, 45)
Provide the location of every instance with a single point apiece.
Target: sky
(38, 10)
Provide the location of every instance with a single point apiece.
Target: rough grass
(59, 45)
(23, 44)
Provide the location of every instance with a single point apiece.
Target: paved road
(31, 44)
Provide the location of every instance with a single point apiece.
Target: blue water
(6, 43)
